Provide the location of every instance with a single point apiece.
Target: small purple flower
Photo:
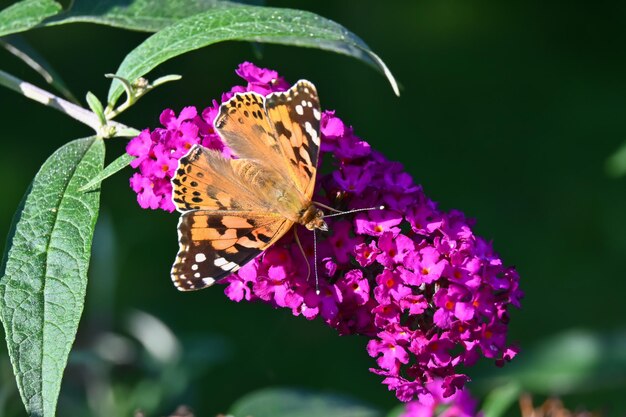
(416, 281)
(377, 222)
(355, 288)
(144, 187)
(366, 254)
(261, 80)
(326, 303)
(332, 128)
(390, 288)
(140, 148)
(342, 242)
(436, 404)
(392, 353)
(394, 249)
(353, 179)
(171, 122)
(414, 304)
(330, 267)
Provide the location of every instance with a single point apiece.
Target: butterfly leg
(297, 239)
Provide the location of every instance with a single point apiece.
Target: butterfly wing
(281, 131)
(231, 209)
(296, 116)
(206, 180)
(215, 243)
(244, 126)
(227, 219)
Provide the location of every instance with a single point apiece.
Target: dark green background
(508, 112)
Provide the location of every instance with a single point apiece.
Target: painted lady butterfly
(233, 209)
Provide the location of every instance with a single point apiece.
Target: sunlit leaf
(26, 14)
(616, 163)
(96, 106)
(500, 399)
(245, 23)
(114, 167)
(140, 15)
(44, 271)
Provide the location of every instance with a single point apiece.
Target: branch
(76, 112)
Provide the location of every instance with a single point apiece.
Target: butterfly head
(313, 218)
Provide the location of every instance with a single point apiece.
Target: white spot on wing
(194, 267)
(229, 266)
(208, 280)
(197, 275)
(299, 110)
(312, 132)
(219, 262)
(200, 257)
(317, 114)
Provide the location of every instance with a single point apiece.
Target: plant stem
(46, 98)
(15, 45)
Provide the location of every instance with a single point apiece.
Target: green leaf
(26, 14)
(500, 399)
(96, 106)
(18, 46)
(616, 163)
(245, 23)
(140, 15)
(44, 272)
(283, 402)
(113, 168)
(165, 79)
(397, 411)
(566, 363)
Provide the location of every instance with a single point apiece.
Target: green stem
(115, 112)
(48, 99)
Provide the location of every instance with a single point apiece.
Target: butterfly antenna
(306, 261)
(340, 213)
(326, 207)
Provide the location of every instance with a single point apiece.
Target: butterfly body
(313, 218)
(234, 209)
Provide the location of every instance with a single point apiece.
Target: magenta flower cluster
(428, 293)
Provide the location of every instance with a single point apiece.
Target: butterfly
(234, 209)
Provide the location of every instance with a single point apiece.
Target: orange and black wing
(208, 181)
(281, 131)
(231, 212)
(215, 243)
(295, 115)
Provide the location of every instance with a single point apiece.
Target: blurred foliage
(277, 402)
(573, 361)
(509, 111)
